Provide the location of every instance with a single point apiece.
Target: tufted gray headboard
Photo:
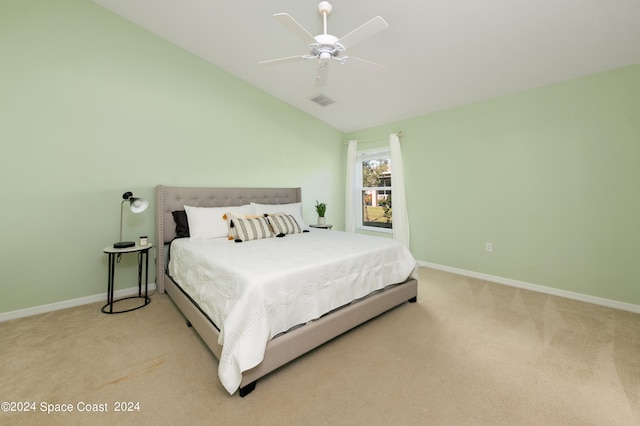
(173, 198)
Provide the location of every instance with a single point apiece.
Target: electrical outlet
(488, 247)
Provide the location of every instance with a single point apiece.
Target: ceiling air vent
(322, 100)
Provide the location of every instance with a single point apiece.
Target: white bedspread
(257, 289)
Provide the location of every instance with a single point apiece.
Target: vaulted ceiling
(438, 53)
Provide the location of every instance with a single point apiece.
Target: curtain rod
(398, 133)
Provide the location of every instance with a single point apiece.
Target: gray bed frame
(285, 347)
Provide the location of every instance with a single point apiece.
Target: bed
(240, 366)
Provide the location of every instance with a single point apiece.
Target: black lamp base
(123, 244)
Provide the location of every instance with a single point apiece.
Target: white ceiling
(438, 53)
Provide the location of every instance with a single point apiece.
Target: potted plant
(321, 209)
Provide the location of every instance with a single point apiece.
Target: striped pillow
(252, 229)
(284, 224)
(230, 217)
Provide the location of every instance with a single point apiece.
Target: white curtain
(351, 189)
(399, 201)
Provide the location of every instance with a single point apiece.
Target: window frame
(361, 156)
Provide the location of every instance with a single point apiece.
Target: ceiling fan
(325, 47)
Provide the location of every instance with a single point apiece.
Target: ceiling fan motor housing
(327, 47)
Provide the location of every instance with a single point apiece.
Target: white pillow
(294, 209)
(206, 223)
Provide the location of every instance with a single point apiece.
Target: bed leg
(247, 389)
(413, 299)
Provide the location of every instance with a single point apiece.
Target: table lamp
(136, 205)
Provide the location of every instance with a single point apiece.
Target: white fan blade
(364, 31)
(283, 60)
(322, 73)
(364, 65)
(293, 26)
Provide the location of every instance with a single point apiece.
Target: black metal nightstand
(143, 257)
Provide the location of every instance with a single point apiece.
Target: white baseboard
(536, 287)
(27, 312)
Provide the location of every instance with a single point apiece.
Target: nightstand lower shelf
(110, 310)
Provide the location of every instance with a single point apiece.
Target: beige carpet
(469, 352)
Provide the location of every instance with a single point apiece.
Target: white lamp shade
(138, 205)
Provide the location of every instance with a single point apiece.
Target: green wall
(91, 106)
(549, 176)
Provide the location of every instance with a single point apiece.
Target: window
(373, 170)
